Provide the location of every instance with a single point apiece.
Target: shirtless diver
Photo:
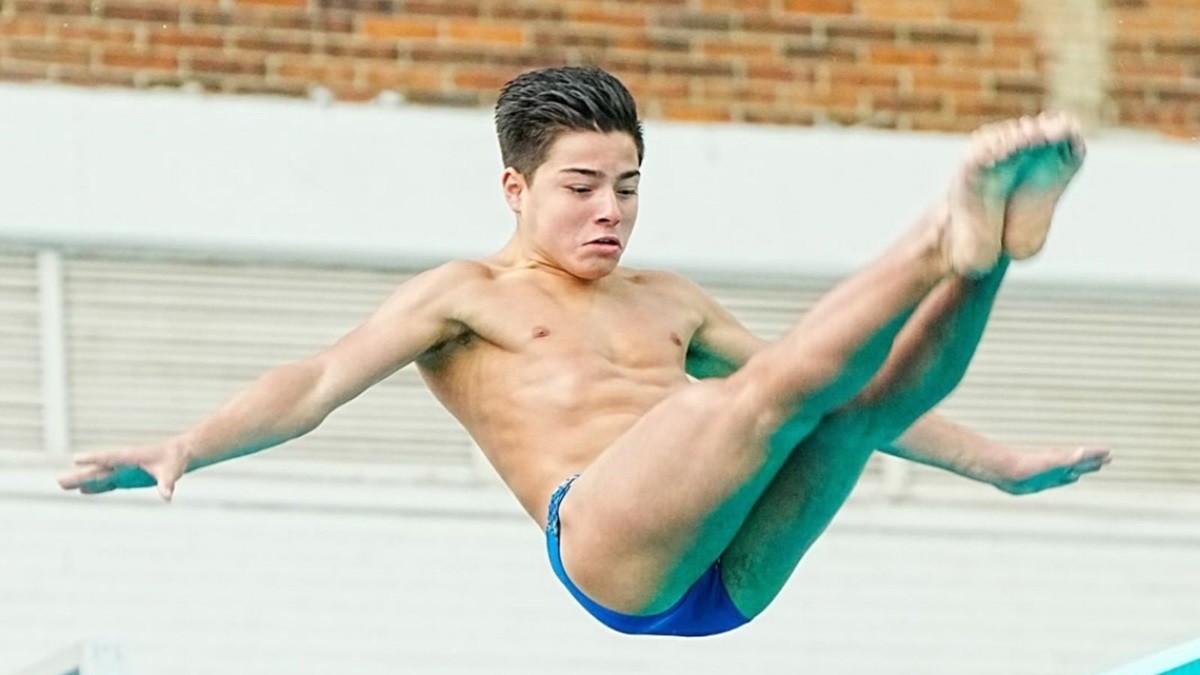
(671, 504)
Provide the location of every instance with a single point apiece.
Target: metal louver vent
(154, 345)
(20, 357)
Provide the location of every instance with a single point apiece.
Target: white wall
(284, 177)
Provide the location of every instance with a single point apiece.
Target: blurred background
(197, 191)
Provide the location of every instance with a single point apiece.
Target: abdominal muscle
(541, 417)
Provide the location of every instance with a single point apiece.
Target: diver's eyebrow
(593, 173)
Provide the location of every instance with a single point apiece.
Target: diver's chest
(634, 335)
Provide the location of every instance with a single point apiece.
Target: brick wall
(917, 64)
(1156, 63)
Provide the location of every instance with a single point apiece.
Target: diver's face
(578, 211)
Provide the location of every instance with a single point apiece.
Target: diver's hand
(159, 464)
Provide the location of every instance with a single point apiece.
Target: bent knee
(768, 396)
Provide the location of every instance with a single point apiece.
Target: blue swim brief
(705, 609)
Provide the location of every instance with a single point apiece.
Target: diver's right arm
(293, 399)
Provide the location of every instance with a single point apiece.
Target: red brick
(1004, 38)
(654, 86)
(141, 10)
(56, 8)
(1007, 60)
(783, 24)
(988, 107)
(696, 112)
(273, 42)
(210, 16)
(947, 34)
(215, 63)
(779, 70)
(694, 67)
(739, 5)
(610, 16)
(819, 6)
(854, 29)
(11, 71)
(477, 31)
(1000, 11)
(696, 21)
(942, 122)
(907, 10)
(1182, 92)
(364, 6)
(359, 48)
(275, 3)
(1182, 46)
(1020, 84)
(123, 57)
(464, 53)
(50, 52)
(736, 91)
(401, 76)
(387, 27)
(21, 26)
(185, 37)
(861, 76)
(528, 10)
(353, 94)
(1134, 23)
(629, 62)
(778, 116)
(264, 17)
(571, 36)
(447, 99)
(334, 72)
(843, 98)
(483, 78)
(90, 77)
(458, 8)
(821, 51)
(930, 79)
(262, 87)
(744, 48)
(672, 43)
(901, 56)
(96, 33)
(335, 22)
(1156, 69)
(926, 102)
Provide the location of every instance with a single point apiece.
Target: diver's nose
(610, 209)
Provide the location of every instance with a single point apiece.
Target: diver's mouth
(605, 241)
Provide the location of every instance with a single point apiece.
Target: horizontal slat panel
(20, 356)
(158, 344)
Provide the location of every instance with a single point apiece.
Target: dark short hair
(535, 107)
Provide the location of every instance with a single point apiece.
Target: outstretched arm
(938, 441)
(293, 399)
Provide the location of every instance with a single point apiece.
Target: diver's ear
(514, 186)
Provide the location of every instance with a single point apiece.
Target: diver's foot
(1004, 195)
(1046, 168)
